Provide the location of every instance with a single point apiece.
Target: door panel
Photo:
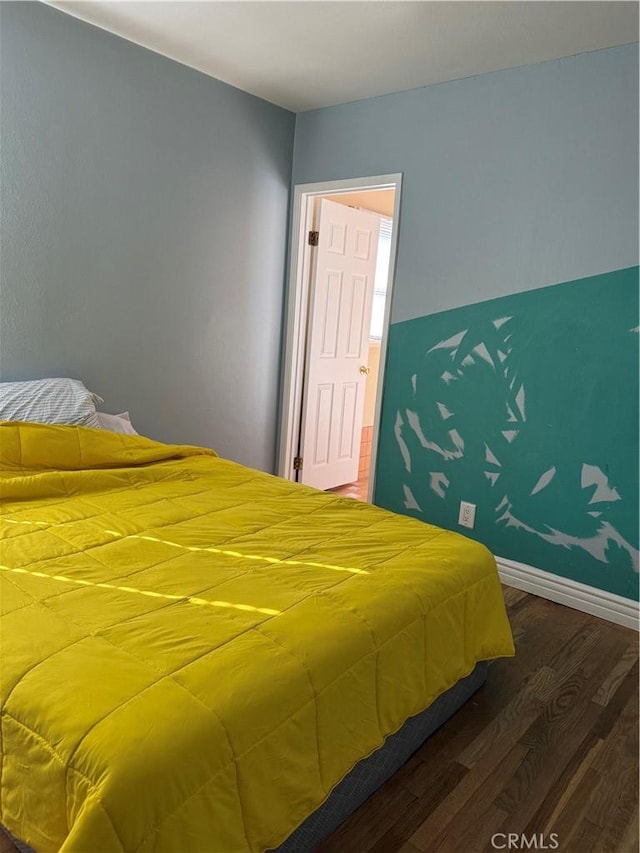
(337, 344)
(357, 317)
(348, 419)
(323, 424)
(337, 237)
(329, 314)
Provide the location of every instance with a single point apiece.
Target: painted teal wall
(144, 221)
(527, 406)
(513, 182)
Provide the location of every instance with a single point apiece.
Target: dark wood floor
(548, 745)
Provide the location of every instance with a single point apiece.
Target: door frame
(297, 303)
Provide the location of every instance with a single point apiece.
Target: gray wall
(512, 180)
(144, 231)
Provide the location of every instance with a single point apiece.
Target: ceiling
(305, 54)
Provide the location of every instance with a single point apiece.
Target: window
(381, 279)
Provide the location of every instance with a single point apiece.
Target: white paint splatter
(445, 414)
(511, 418)
(457, 439)
(502, 356)
(544, 481)
(467, 361)
(594, 476)
(448, 377)
(489, 456)
(492, 476)
(409, 500)
(450, 343)
(520, 402)
(438, 483)
(414, 423)
(510, 434)
(484, 353)
(404, 450)
(502, 503)
(596, 545)
(414, 379)
(594, 514)
(501, 321)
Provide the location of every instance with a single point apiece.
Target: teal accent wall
(526, 406)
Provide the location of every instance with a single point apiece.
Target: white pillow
(116, 423)
(48, 401)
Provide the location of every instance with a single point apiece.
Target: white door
(338, 344)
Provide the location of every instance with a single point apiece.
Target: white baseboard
(606, 605)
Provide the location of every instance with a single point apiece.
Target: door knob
(363, 369)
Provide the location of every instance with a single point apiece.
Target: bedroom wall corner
(133, 188)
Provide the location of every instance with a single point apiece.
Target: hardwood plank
(630, 842)
(408, 847)
(622, 740)
(584, 840)
(514, 719)
(474, 838)
(567, 823)
(443, 782)
(492, 764)
(481, 816)
(558, 736)
(612, 710)
(584, 647)
(359, 832)
(617, 675)
(612, 803)
(615, 810)
(563, 788)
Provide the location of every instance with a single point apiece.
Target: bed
(199, 656)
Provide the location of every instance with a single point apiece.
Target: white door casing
(338, 344)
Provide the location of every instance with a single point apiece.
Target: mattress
(195, 653)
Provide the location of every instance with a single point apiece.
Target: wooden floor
(548, 745)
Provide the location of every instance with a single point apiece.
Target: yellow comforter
(195, 653)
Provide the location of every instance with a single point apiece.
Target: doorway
(342, 264)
